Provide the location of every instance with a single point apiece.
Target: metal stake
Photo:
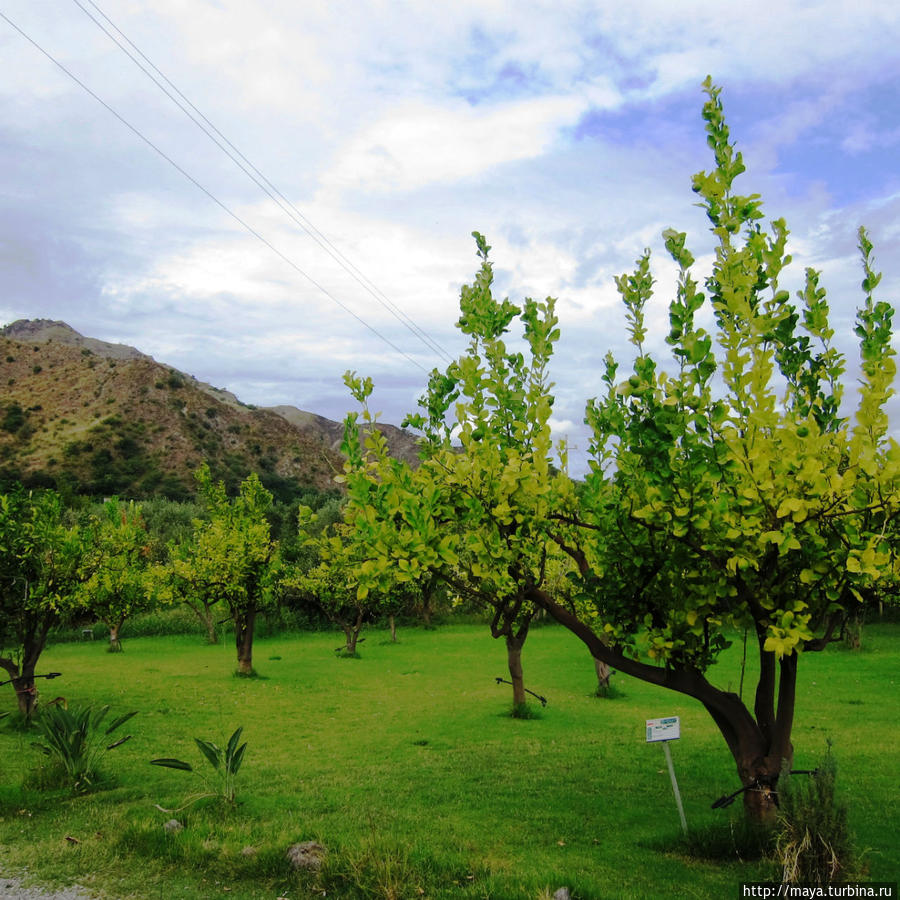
(668, 753)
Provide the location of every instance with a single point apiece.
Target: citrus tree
(229, 559)
(332, 587)
(115, 567)
(326, 577)
(40, 556)
(732, 491)
(485, 446)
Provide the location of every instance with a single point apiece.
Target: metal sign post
(662, 731)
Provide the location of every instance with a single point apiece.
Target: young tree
(39, 574)
(192, 574)
(332, 587)
(230, 558)
(453, 515)
(729, 492)
(407, 597)
(115, 567)
(325, 576)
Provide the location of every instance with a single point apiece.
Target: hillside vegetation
(85, 416)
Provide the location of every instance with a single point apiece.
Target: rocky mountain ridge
(101, 418)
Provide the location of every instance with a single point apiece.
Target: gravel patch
(13, 889)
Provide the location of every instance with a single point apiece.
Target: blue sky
(566, 132)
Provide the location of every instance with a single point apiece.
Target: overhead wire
(164, 83)
(242, 222)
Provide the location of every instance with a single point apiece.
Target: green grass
(406, 765)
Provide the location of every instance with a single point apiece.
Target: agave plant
(77, 740)
(226, 764)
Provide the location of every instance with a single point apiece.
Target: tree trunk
(22, 678)
(352, 631)
(514, 660)
(760, 743)
(26, 692)
(427, 596)
(853, 630)
(115, 643)
(392, 624)
(33, 641)
(760, 778)
(243, 638)
(206, 617)
(604, 673)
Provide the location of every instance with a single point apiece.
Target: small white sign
(668, 729)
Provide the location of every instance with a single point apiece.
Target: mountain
(403, 444)
(93, 417)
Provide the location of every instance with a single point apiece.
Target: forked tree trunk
(760, 742)
(203, 611)
(243, 638)
(115, 642)
(352, 631)
(507, 614)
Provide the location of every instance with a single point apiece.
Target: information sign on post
(662, 731)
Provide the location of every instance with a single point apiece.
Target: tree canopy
(732, 491)
(40, 557)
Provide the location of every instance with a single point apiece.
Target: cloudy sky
(379, 135)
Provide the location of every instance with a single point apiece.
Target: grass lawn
(406, 766)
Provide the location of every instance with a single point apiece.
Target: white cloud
(397, 129)
(423, 144)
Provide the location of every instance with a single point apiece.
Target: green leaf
(210, 751)
(172, 764)
(232, 743)
(237, 759)
(117, 723)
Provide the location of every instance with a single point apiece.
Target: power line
(163, 82)
(249, 228)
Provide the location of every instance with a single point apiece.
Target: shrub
(814, 844)
(13, 418)
(226, 763)
(76, 743)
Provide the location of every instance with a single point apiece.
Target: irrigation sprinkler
(533, 694)
(728, 799)
(48, 676)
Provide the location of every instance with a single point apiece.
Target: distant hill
(93, 417)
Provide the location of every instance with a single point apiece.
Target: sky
(379, 135)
